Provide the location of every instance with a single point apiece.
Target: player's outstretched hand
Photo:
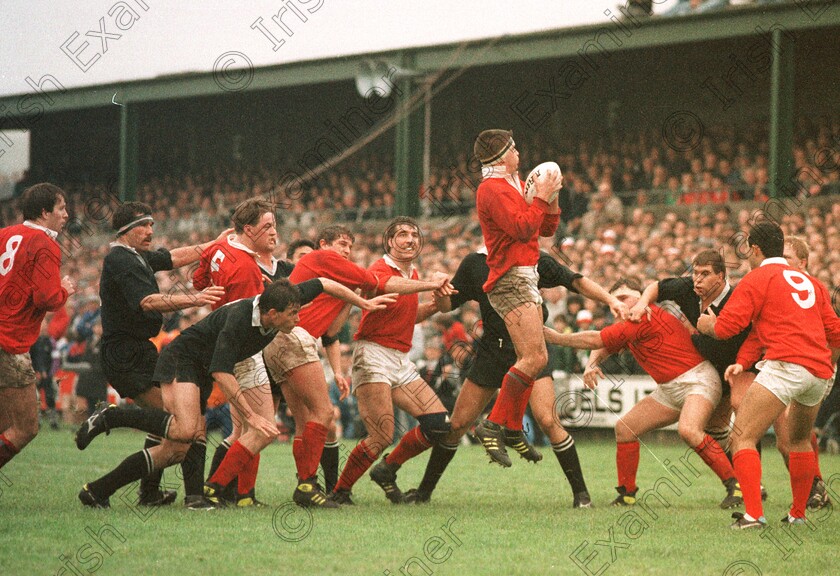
(209, 295)
(68, 285)
(224, 234)
(549, 190)
(264, 426)
(591, 375)
(379, 302)
(444, 286)
(620, 310)
(343, 386)
(731, 371)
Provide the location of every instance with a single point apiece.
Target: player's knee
(324, 415)
(622, 432)
(435, 427)
(691, 435)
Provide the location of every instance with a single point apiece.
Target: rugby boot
(249, 500)
(516, 439)
(819, 495)
(385, 475)
(198, 502)
(582, 500)
(492, 437)
(309, 495)
(733, 498)
(415, 496)
(625, 498)
(158, 498)
(342, 497)
(95, 425)
(91, 500)
(741, 522)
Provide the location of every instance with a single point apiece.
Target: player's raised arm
(640, 308)
(189, 254)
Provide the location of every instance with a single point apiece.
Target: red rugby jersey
(231, 265)
(510, 226)
(30, 284)
(392, 327)
(662, 345)
(790, 312)
(318, 316)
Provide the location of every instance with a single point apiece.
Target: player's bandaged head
(129, 215)
(491, 145)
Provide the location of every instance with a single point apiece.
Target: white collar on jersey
(49, 232)
(255, 317)
(499, 171)
(390, 262)
(234, 244)
(482, 250)
(774, 260)
(255, 313)
(726, 288)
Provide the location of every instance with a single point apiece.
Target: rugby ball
(548, 174)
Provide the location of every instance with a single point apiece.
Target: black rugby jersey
(471, 276)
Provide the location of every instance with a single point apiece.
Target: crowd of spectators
(631, 207)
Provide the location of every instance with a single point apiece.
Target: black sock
(218, 456)
(442, 455)
(132, 468)
(150, 484)
(329, 464)
(193, 468)
(149, 420)
(567, 456)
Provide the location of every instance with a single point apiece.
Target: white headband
(137, 222)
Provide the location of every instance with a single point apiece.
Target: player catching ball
(511, 226)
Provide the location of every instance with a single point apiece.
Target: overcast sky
(189, 35)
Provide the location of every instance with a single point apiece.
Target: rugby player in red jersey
(241, 264)
(688, 387)
(30, 286)
(292, 360)
(511, 228)
(794, 323)
(384, 376)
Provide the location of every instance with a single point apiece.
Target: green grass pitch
(482, 520)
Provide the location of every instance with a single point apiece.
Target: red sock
(298, 452)
(358, 462)
(314, 436)
(248, 477)
(515, 385)
(520, 403)
(627, 462)
(715, 458)
(801, 478)
(7, 450)
(412, 444)
(234, 463)
(815, 445)
(748, 471)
